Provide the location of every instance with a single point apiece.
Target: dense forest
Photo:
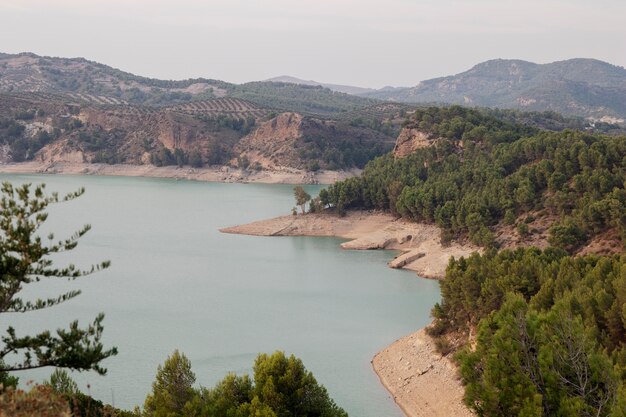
(549, 331)
(483, 171)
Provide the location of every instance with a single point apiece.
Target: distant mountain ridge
(580, 86)
(576, 87)
(348, 89)
(92, 82)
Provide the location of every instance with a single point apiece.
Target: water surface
(177, 283)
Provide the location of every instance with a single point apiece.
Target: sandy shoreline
(212, 174)
(419, 243)
(420, 380)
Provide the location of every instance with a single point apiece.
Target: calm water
(177, 283)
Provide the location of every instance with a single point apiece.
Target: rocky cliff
(411, 139)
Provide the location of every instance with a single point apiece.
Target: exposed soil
(422, 382)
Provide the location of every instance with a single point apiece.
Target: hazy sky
(358, 42)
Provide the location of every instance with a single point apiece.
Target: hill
(348, 89)
(581, 87)
(498, 183)
(93, 82)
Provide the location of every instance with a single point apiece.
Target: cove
(177, 283)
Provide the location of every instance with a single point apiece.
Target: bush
(567, 235)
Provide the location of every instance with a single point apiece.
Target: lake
(177, 283)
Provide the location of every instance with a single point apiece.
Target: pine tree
(26, 259)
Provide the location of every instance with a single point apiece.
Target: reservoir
(176, 282)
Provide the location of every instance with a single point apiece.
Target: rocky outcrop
(296, 141)
(411, 139)
(272, 144)
(406, 258)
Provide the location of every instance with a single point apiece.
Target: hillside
(291, 139)
(348, 89)
(307, 99)
(93, 82)
(32, 73)
(581, 87)
(498, 183)
(64, 128)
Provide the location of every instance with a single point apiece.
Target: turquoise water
(177, 283)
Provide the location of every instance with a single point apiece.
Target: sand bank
(214, 174)
(421, 250)
(422, 382)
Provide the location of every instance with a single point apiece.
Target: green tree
(26, 259)
(289, 389)
(62, 382)
(567, 235)
(172, 390)
(195, 159)
(7, 380)
(302, 197)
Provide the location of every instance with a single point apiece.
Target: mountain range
(578, 87)
(79, 111)
(581, 87)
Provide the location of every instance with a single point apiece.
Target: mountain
(348, 89)
(581, 87)
(90, 82)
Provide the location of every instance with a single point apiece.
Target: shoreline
(220, 173)
(421, 381)
(421, 250)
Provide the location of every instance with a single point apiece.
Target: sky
(357, 42)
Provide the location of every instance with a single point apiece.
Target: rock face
(293, 140)
(272, 144)
(409, 140)
(84, 133)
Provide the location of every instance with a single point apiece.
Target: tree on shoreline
(302, 197)
(26, 259)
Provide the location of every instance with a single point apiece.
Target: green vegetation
(11, 133)
(484, 169)
(302, 197)
(334, 153)
(26, 259)
(215, 155)
(282, 387)
(551, 332)
(222, 121)
(303, 99)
